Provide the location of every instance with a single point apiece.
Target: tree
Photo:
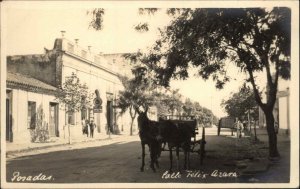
(137, 94)
(188, 107)
(204, 115)
(240, 103)
(253, 39)
(74, 96)
(173, 102)
(160, 103)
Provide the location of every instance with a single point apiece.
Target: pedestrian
(87, 128)
(92, 127)
(239, 128)
(83, 124)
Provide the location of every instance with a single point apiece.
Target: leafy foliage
(149, 11)
(172, 102)
(204, 115)
(74, 95)
(97, 18)
(240, 103)
(253, 39)
(137, 93)
(142, 27)
(167, 101)
(41, 131)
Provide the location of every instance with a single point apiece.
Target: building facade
(25, 97)
(32, 81)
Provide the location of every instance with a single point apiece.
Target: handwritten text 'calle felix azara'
(199, 174)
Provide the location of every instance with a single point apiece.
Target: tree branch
(276, 66)
(256, 93)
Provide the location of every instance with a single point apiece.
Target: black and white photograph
(149, 94)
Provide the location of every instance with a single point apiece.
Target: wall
(56, 64)
(37, 66)
(20, 98)
(280, 112)
(98, 76)
(119, 60)
(283, 113)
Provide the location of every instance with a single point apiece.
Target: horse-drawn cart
(197, 145)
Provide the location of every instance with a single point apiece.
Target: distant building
(33, 79)
(281, 109)
(122, 63)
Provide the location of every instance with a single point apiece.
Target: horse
(148, 133)
(176, 134)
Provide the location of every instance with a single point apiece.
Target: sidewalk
(266, 170)
(262, 135)
(15, 148)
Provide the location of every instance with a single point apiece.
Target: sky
(29, 28)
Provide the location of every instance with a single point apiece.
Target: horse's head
(142, 120)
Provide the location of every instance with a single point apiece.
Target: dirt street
(119, 161)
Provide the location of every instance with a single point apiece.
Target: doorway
(53, 120)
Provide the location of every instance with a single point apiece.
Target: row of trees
(141, 92)
(241, 104)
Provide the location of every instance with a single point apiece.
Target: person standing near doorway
(92, 126)
(87, 128)
(83, 124)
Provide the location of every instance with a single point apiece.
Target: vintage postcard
(150, 94)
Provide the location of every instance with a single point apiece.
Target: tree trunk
(255, 137)
(131, 127)
(273, 151)
(69, 131)
(268, 107)
(132, 115)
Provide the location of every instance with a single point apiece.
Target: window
(31, 116)
(70, 48)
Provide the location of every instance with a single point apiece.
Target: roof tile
(28, 81)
